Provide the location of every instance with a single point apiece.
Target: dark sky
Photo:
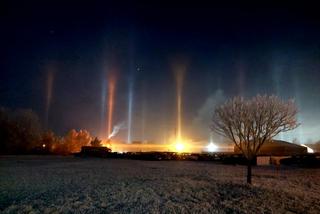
(224, 50)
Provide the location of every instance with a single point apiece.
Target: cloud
(202, 120)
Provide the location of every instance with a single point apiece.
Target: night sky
(57, 58)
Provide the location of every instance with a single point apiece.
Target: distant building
(279, 148)
(96, 151)
(272, 152)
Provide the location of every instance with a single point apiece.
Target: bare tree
(250, 123)
(96, 142)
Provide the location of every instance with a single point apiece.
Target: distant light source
(212, 147)
(179, 147)
(309, 150)
(43, 145)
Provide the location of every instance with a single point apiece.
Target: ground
(30, 184)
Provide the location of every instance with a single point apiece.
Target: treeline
(21, 133)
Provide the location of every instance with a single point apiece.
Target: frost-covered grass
(75, 185)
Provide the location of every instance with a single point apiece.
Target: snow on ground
(31, 184)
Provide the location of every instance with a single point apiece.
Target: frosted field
(75, 185)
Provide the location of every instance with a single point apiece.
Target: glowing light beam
(130, 106)
(103, 108)
(111, 95)
(50, 78)
(179, 71)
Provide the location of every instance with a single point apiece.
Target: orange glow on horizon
(184, 146)
(181, 145)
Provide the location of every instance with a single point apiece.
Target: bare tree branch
(251, 123)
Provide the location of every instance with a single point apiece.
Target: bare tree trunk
(249, 173)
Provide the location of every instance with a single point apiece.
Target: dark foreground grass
(32, 184)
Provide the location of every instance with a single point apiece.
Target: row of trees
(70, 143)
(21, 133)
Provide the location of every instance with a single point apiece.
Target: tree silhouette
(250, 123)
